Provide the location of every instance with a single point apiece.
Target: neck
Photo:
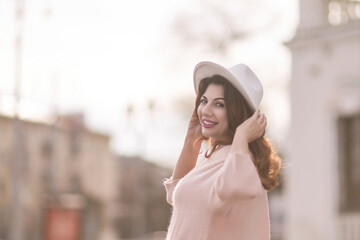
(218, 142)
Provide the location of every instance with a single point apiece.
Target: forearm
(187, 159)
(240, 143)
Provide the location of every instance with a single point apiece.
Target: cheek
(224, 119)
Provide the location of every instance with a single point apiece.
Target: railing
(343, 11)
(349, 226)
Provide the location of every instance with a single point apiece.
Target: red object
(62, 224)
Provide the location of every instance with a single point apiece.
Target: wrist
(190, 143)
(189, 140)
(241, 135)
(240, 143)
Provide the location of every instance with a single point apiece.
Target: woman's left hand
(253, 127)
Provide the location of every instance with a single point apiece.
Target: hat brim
(208, 69)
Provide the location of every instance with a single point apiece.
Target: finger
(256, 114)
(261, 118)
(194, 112)
(264, 123)
(263, 134)
(264, 117)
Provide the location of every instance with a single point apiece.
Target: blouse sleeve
(238, 179)
(170, 185)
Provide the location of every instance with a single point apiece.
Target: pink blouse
(222, 198)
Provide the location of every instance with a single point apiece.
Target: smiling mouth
(208, 124)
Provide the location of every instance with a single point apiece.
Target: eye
(219, 104)
(203, 101)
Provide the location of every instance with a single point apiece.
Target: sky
(99, 57)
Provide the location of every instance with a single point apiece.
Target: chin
(206, 134)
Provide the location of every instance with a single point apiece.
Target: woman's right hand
(194, 128)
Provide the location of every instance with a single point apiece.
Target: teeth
(207, 122)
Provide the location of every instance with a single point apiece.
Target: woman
(223, 197)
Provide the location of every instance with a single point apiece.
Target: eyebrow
(220, 98)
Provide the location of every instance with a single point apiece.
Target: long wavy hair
(266, 159)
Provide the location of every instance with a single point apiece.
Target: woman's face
(212, 113)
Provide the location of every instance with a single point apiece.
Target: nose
(206, 111)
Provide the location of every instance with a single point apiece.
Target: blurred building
(65, 185)
(144, 213)
(323, 177)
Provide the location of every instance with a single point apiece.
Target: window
(343, 11)
(349, 162)
(75, 141)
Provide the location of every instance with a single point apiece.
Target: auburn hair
(266, 159)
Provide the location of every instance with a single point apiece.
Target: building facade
(323, 177)
(57, 181)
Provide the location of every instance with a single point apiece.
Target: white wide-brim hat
(240, 75)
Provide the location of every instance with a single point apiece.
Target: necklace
(212, 149)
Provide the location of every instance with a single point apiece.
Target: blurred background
(95, 97)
